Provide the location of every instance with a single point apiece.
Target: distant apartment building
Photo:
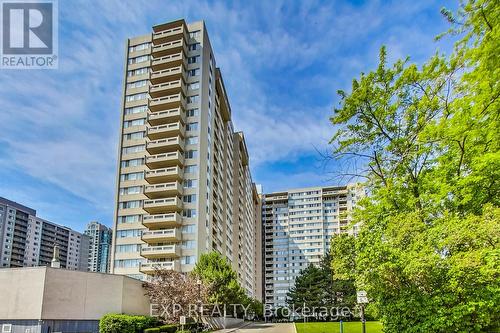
(100, 247)
(297, 227)
(183, 186)
(27, 240)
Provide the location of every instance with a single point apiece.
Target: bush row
(119, 323)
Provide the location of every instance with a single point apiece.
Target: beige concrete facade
(179, 159)
(44, 293)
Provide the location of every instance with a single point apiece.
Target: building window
(133, 149)
(193, 99)
(192, 140)
(136, 97)
(132, 176)
(137, 84)
(190, 183)
(139, 71)
(193, 112)
(194, 86)
(136, 122)
(133, 136)
(192, 126)
(129, 219)
(189, 198)
(189, 213)
(139, 47)
(137, 60)
(188, 260)
(194, 72)
(130, 190)
(191, 154)
(194, 46)
(189, 229)
(194, 60)
(128, 233)
(190, 168)
(133, 162)
(194, 34)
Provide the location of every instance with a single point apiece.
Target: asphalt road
(267, 328)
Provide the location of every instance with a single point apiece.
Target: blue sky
(282, 63)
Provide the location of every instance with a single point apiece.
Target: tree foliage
(216, 272)
(317, 287)
(426, 139)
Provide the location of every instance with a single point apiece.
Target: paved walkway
(263, 328)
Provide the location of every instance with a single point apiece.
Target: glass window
(190, 168)
(190, 183)
(136, 122)
(192, 126)
(193, 112)
(193, 99)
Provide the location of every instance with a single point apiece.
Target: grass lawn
(349, 327)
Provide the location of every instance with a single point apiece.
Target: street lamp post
(198, 282)
(362, 300)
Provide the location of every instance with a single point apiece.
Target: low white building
(46, 300)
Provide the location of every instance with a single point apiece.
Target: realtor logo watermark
(29, 34)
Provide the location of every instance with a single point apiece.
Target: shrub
(119, 323)
(172, 328)
(152, 330)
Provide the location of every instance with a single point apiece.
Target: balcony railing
(165, 205)
(158, 221)
(165, 251)
(163, 175)
(165, 160)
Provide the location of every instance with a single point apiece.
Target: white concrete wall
(47, 293)
(21, 293)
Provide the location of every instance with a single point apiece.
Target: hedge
(119, 323)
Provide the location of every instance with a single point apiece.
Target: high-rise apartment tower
(27, 240)
(184, 186)
(100, 247)
(297, 226)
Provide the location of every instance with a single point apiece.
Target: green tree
(428, 142)
(342, 262)
(308, 288)
(216, 272)
(316, 287)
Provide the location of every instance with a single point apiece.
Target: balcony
(158, 221)
(165, 251)
(168, 61)
(165, 131)
(165, 145)
(163, 175)
(169, 74)
(166, 116)
(165, 160)
(169, 47)
(165, 205)
(167, 102)
(168, 88)
(161, 236)
(151, 267)
(169, 31)
(163, 190)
